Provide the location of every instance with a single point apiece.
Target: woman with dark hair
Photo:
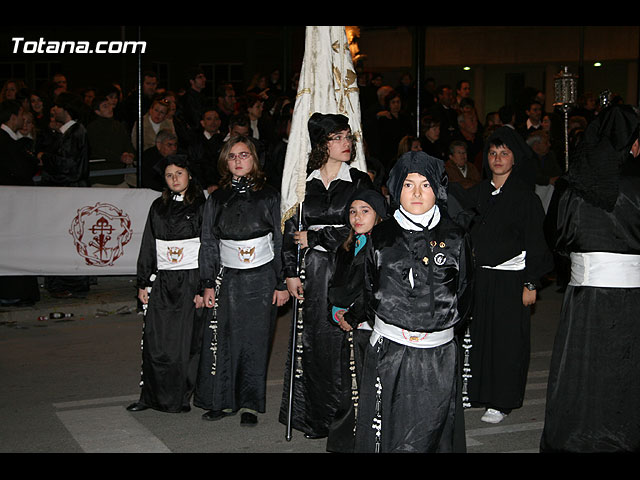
(329, 187)
(39, 106)
(241, 271)
(168, 283)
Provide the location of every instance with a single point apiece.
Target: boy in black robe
(511, 256)
(417, 281)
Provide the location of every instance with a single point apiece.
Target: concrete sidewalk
(110, 296)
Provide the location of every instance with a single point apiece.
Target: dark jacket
(18, 166)
(68, 166)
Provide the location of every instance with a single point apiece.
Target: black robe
(507, 224)
(242, 329)
(417, 411)
(593, 393)
(172, 332)
(316, 389)
(346, 291)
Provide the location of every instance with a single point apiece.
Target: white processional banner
(72, 231)
(328, 84)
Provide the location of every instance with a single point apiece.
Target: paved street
(65, 384)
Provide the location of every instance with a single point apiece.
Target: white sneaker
(493, 416)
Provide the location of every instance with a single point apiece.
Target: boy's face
(417, 196)
(501, 160)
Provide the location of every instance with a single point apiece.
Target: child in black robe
(168, 282)
(346, 301)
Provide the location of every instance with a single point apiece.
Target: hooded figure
(511, 257)
(594, 173)
(417, 284)
(593, 393)
(525, 163)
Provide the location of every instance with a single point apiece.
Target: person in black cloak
(329, 187)
(418, 288)
(346, 300)
(168, 283)
(511, 256)
(593, 393)
(241, 270)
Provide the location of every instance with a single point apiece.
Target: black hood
(419, 162)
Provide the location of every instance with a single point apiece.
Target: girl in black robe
(418, 285)
(168, 283)
(329, 187)
(241, 270)
(593, 393)
(511, 256)
(346, 300)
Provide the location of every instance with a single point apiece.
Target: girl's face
(240, 160)
(177, 179)
(362, 217)
(417, 196)
(340, 146)
(36, 104)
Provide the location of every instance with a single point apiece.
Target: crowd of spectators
(187, 121)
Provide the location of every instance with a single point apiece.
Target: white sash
(515, 263)
(604, 269)
(408, 338)
(244, 254)
(177, 254)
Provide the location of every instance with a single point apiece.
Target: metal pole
(294, 322)
(419, 61)
(140, 139)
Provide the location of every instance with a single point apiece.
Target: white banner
(72, 231)
(328, 84)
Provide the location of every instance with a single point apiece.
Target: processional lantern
(565, 85)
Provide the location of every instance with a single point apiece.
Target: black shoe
(185, 409)
(136, 407)
(248, 420)
(213, 415)
(314, 437)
